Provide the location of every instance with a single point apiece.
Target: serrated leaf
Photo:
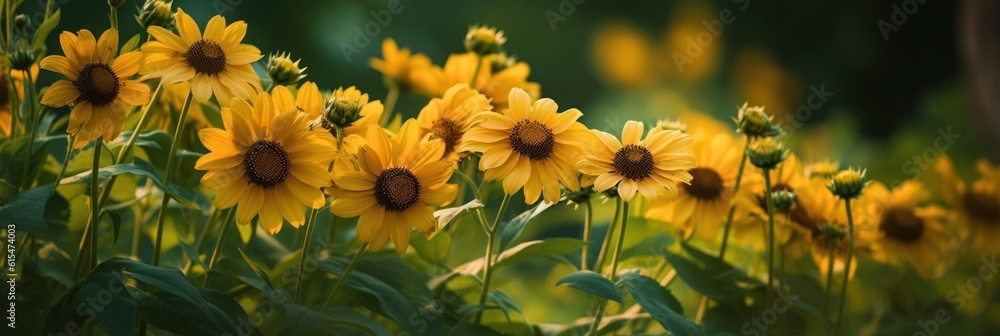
(593, 283)
(653, 298)
(510, 230)
(447, 215)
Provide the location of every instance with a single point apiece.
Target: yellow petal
(60, 65)
(61, 93)
(107, 47)
(188, 29)
(632, 133)
(127, 64)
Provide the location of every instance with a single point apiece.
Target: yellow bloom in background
(398, 64)
(163, 112)
(215, 62)
(681, 54)
(5, 102)
(399, 178)
(529, 146)
(623, 55)
(266, 162)
(652, 166)
(976, 206)
(760, 79)
(307, 99)
(751, 209)
(96, 84)
(703, 205)
(459, 68)
(823, 170)
(907, 227)
(448, 118)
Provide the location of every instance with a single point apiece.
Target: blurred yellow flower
(623, 55)
(397, 180)
(96, 84)
(529, 146)
(215, 62)
(760, 79)
(167, 108)
(907, 227)
(266, 162)
(17, 77)
(434, 81)
(398, 65)
(448, 118)
(702, 206)
(652, 166)
(976, 205)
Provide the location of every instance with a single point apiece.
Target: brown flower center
(98, 84)
(706, 184)
(397, 189)
(267, 164)
(982, 207)
(902, 225)
(532, 139)
(448, 131)
(634, 162)
(206, 57)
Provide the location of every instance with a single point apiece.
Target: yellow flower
(824, 170)
(266, 162)
(5, 109)
(172, 97)
(215, 62)
(350, 111)
(450, 117)
(307, 99)
(703, 205)
(624, 55)
(530, 146)
(799, 226)
(976, 205)
(652, 166)
(484, 40)
(907, 228)
(97, 85)
(434, 81)
(398, 64)
(398, 179)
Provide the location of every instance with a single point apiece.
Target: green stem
(15, 106)
(332, 231)
(343, 278)
(847, 264)
(606, 244)
(488, 265)
(226, 227)
(829, 282)
(200, 242)
(114, 18)
(732, 207)
(33, 115)
(588, 216)
(172, 154)
(621, 241)
(65, 163)
(304, 255)
(390, 103)
(596, 324)
(95, 207)
(475, 75)
(770, 237)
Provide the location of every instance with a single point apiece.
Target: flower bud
(117, 3)
(832, 233)
(283, 71)
(484, 40)
(825, 169)
(22, 22)
(671, 125)
(767, 153)
(155, 13)
(783, 200)
(501, 61)
(848, 184)
(755, 123)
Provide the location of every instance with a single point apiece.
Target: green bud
(155, 13)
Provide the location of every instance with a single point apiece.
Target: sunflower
(398, 64)
(98, 86)
(704, 203)
(449, 117)
(267, 161)
(907, 227)
(976, 206)
(214, 62)
(398, 179)
(307, 98)
(652, 166)
(17, 76)
(530, 146)
(494, 83)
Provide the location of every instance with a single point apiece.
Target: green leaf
(593, 283)
(43, 31)
(175, 284)
(192, 254)
(653, 298)
(505, 303)
(116, 223)
(649, 246)
(539, 248)
(303, 321)
(27, 209)
(700, 280)
(56, 264)
(510, 230)
(140, 168)
(714, 266)
(433, 249)
(118, 314)
(177, 315)
(446, 216)
(131, 45)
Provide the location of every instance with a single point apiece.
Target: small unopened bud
(283, 71)
(755, 123)
(783, 200)
(767, 153)
(832, 233)
(155, 13)
(484, 40)
(671, 125)
(501, 61)
(848, 184)
(117, 3)
(823, 169)
(22, 22)
(21, 58)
